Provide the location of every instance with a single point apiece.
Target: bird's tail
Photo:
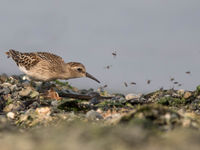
(14, 54)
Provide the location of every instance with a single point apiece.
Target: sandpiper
(44, 66)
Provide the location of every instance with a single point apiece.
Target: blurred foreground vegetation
(41, 116)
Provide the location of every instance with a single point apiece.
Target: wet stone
(93, 115)
(94, 101)
(94, 94)
(34, 105)
(5, 91)
(25, 92)
(34, 94)
(54, 103)
(15, 106)
(181, 92)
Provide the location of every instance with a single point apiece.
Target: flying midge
(148, 81)
(133, 83)
(114, 54)
(187, 72)
(105, 86)
(175, 82)
(108, 66)
(161, 89)
(126, 85)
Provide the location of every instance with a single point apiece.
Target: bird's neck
(67, 73)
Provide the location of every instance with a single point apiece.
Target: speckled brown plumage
(46, 66)
(29, 60)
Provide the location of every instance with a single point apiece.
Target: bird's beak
(91, 77)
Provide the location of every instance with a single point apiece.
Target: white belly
(36, 74)
(23, 69)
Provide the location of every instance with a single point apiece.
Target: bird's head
(77, 70)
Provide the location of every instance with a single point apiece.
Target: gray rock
(16, 106)
(34, 94)
(25, 91)
(5, 90)
(93, 115)
(94, 101)
(34, 105)
(94, 94)
(54, 103)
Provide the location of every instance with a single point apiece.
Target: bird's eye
(79, 69)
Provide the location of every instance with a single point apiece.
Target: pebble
(133, 96)
(17, 106)
(11, 115)
(43, 111)
(94, 101)
(8, 108)
(34, 94)
(93, 115)
(13, 87)
(5, 90)
(34, 105)
(93, 94)
(187, 95)
(6, 84)
(54, 103)
(181, 92)
(25, 92)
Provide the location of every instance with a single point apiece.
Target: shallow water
(154, 40)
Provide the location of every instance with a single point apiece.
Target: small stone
(8, 108)
(5, 91)
(94, 101)
(43, 111)
(13, 87)
(25, 92)
(23, 117)
(34, 94)
(34, 105)
(16, 106)
(6, 84)
(187, 95)
(25, 78)
(54, 103)
(132, 96)
(11, 115)
(93, 94)
(181, 92)
(186, 122)
(93, 115)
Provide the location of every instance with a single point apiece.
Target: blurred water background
(154, 40)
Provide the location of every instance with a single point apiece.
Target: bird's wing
(29, 60)
(52, 58)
